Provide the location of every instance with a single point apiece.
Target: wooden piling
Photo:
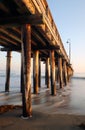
(53, 84)
(45, 73)
(56, 72)
(39, 72)
(60, 72)
(8, 66)
(22, 78)
(58, 79)
(68, 74)
(36, 71)
(65, 72)
(48, 72)
(26, 55)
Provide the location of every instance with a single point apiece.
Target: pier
(27, 27)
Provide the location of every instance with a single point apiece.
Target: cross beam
(21, 19)
(10, 49)
(51, 47)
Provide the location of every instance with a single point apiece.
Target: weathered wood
(9, 41)
(8, 66)
(69, 73)
(20, 20)
(60, 72)
(39, 72)
(45, 73)
(36, 71)
(53, 84)
(56, 70)
(48, 72)
(25, 9)
(22, 76)
(10, 49)
(50, 47)
(4, 8)
(7, 33)
(26, 55)
(37, 35)
(65, 72)
(58, 79)
(6, 44)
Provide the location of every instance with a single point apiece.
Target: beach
(65, 111)
(12, 120)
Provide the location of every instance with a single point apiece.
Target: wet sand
(12, 120)
(45, 114)
(65, 111)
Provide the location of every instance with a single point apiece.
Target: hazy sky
(69, 16)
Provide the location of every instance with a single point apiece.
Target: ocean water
(14, 81)
(74, 102)
(77, 80)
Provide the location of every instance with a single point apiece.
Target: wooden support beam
(9, 41)
(39, 72)
(69, 73)
(4, 8)
(53, 84)
(60, 72)
(33, 19)
(56, 72)
(10, 49)
(48, 72)
(4, 31)
(65, 72)
(58, 79)
(36, 71)
(4, 43)
(22, 77)
(45, 74)
(37, 36)
(26, 56)
(50, 47)
(8, 66)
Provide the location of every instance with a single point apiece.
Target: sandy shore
(12, 120)
(49, 112)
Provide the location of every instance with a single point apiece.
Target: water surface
(70, 100)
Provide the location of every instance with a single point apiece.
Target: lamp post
(68, 42)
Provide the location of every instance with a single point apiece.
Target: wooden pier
(27, 26)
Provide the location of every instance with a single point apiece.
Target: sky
(69, 17)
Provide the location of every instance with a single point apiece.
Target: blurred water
(14, 81)
(71, 99)
(77, 96)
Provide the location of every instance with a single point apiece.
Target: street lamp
(68, 42)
